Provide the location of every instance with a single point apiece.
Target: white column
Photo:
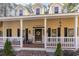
(3, 34)
(45, 36)
(75, 31)
(21, 33)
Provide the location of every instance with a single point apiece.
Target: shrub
(8, 51)
(58, 51)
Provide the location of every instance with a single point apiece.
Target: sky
(39, 1)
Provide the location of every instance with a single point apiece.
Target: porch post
(3, 34)
(75, 32)
(21, 32)
(45, 36)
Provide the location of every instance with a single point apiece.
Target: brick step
(31, 53)
(34, 45)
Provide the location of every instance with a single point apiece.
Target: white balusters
(15, 41)
(66, 42)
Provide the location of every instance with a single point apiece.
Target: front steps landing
(33, 53)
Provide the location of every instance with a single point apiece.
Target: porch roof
(32, 17)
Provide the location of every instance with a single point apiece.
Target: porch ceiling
(36, 17)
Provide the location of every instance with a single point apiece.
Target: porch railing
(15, 41)
(66, 42)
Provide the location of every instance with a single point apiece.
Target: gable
(37, 5)
(24, 8)
(53, 6)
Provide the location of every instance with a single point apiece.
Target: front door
(38, 35)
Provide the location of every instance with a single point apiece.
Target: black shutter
(10, 32)
(59, 32)
(26, 34)
(18, 32)
(65, 31)
(7, 32)
(49, 32)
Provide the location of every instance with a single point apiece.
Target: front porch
(41, 32)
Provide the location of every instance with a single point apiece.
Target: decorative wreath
(38, 33)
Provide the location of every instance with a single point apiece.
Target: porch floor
(34, 45)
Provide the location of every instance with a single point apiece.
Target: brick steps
(31, 53)
(34, 45)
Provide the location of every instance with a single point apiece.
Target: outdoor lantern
(59, 22)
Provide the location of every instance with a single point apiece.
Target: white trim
(34, 35)
(32, 17)
(75, 31)
(21, 33)
(45, 31)
(3, 34)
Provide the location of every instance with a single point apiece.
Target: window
(18, 32)
(20, 12)
(37, 11)
(70, 32)
(9, 32)
(56, 9)
(54, 33)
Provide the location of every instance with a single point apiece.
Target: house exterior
(40, 31)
